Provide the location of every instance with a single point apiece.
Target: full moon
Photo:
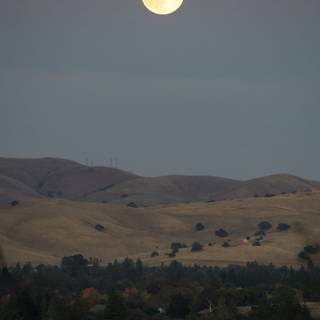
(163, 6)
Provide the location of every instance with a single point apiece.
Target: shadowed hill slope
(175, 189)
(12, 189)
(165, 190)
(272, 185)
(80, 182)
(56, 178)
(33, 172)
(21, 179)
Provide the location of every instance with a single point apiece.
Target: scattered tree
(199, 226)
(222, 233)
(269, 195)
(226, 244)
(265, 225)
(154, 254)
(14, 203)
(260, 233)
(311, 249)
(196, 247)
(175, 246)
(99, 227)
(132, 205)
(304, 255)
(283, 227)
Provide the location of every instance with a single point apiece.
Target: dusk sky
(228, 87)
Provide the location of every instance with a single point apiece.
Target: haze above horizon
(219, 88)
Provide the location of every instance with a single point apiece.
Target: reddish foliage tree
(90, 295)
(130, 293)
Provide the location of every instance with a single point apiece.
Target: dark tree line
(129, 290)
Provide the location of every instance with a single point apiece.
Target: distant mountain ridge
(21, 179)
(58, 178)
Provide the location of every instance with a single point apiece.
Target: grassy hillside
(167, 189)
(11, 189)
(44, 230)
(274, 184)
(58, 178)
(32, 172)
(175, 189)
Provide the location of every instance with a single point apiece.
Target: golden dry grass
(314, 308)
(44, 230)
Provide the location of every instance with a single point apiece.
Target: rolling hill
(51, 177)
(22, 179)
(165, 190)
(11, 189)
(269, 185)
(44, 230)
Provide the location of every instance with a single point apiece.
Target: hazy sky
(222, 87)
